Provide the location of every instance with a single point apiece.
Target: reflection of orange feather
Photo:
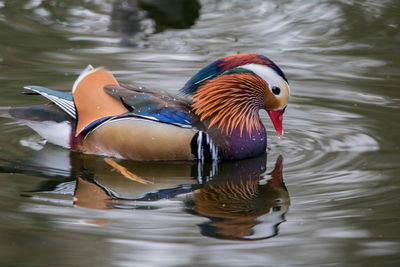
(231, 101)
(91, 102)
(126, 173)
(230, 200)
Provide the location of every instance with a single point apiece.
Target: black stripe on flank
(203, 148)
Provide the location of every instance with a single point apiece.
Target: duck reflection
(109, 189)
(239, 200)
(240, 203)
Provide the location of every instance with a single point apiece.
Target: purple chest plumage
(233, 146)
(245, 145)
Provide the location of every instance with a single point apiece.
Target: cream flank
(140, 139)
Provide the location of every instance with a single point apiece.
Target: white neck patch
(267, 74)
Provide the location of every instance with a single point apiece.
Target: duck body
(215, 116)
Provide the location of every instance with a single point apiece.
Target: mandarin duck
(215, 116)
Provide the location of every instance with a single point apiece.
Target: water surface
(327, 193)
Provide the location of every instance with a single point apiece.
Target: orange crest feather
(231, 101)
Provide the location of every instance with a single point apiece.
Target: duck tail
(49, 121)
(49, 112)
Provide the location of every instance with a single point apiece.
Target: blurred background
(327, 193)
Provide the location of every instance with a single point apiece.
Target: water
(336, 202)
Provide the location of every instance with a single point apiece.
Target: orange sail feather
(91, 102)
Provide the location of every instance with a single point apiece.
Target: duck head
(230, 91)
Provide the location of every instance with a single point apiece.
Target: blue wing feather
(169, 115)
(44, 90)
(63, 100)
(159, 105)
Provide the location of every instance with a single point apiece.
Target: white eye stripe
(268, 75)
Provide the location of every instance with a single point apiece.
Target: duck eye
(276, 90)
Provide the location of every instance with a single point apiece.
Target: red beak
(276, 118)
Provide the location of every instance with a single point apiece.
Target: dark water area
(325, 194)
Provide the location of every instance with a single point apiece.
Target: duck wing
(153, 104)
(63, 100)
